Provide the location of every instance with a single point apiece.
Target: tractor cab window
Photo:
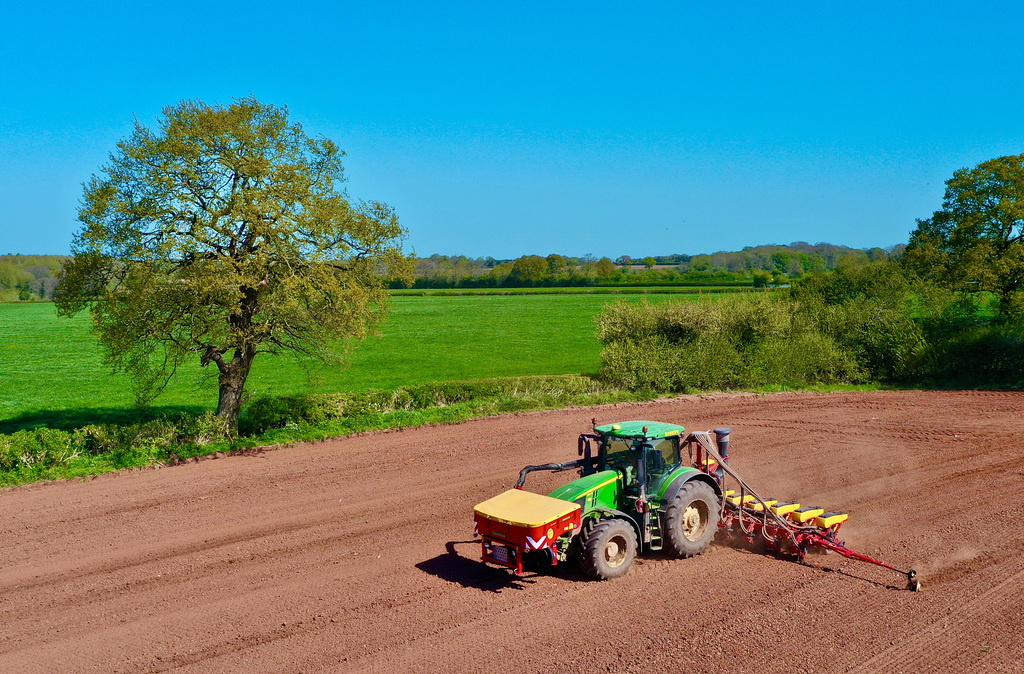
(663, 457)
(625, 454)
(669, 448)
(619, 453)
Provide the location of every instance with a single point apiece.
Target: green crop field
(51, 369)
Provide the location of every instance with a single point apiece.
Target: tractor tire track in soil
(356, 554)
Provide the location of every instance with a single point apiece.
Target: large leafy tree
(976, 240)
(222, 234)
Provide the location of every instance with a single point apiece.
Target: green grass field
(589, 290)
(51, 369)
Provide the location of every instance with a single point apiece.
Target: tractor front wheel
(608, 550)
(691, 520)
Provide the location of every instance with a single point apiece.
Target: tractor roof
(635, 429)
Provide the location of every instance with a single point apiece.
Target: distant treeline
(753, 266)
(34, 277)
(28, 277)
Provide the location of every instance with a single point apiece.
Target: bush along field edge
(40, 454)
(862, 325)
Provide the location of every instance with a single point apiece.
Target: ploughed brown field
(357, 554)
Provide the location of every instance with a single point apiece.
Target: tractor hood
(583, 487)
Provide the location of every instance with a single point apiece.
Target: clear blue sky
(506, 129)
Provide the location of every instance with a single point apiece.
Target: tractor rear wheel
(691, 520)
(609, 549)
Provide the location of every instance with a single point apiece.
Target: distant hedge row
(32, 454)
(867, 323)
(45, 453)
(279, 411)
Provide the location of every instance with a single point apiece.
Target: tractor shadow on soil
(467, 570)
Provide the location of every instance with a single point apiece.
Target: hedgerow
(868, 323)
(735, 342)
(45, 453)
(33, 454)
(270, 412)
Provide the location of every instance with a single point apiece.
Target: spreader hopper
(516, 522)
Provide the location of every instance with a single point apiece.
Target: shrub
(36, 448)
(859, 323)
(883, 337)
(752, 340)
(36, 452)
(805, 359)
(271, 412)
(982, 355)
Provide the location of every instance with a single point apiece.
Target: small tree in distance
(223, 234)
(605, 268)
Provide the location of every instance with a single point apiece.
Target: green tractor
(637, 493)
(650, 486)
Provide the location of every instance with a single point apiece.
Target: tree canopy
(976, 240)
(221, 234)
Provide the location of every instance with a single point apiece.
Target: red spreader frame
(505, 543)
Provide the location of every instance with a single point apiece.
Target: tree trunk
(232, 384)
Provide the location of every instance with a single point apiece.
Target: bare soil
(357, 554)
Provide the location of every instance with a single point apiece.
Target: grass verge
(38, 454)
(44, 454)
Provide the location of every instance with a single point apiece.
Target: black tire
(535, 560)
(579, 544)
(691, 520)
(609, 549)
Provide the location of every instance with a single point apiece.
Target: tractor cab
(643, 451)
